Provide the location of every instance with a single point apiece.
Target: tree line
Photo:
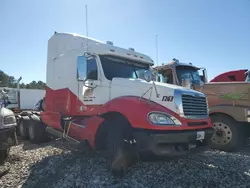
(10, 81)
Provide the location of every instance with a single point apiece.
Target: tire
(37, 131)
(23, 128)
(3, 155)
(121, 153)
(228, 134)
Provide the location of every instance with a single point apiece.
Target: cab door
(93, 93)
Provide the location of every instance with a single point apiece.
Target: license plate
(200, 135)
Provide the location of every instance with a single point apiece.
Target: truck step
(60, 135)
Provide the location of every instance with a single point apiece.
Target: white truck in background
(29, 98)
(23, 99)
(22, 102)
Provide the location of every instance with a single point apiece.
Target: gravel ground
(53, 165)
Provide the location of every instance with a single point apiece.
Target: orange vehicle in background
(229, 101)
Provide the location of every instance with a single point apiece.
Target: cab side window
(168, 76)
(92, 72)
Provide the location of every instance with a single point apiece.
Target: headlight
(248, 112)
(163, 119)
(9, 120)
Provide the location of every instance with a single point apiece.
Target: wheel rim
(223, 133)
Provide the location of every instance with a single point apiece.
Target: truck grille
(194, 105)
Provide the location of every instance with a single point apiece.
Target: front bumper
(7, 138)
(171, 143)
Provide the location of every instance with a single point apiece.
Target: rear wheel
(228, 135)
(121, 148)
(3, 155)
(23, 128)
(37, 131)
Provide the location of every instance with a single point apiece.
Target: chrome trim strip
(76, 124)
(178, 102)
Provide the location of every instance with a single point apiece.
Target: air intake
(109, 42)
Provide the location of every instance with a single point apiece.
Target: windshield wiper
(134, 71)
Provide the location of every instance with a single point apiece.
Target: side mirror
(247, 73)
(204, 71)
(148, 75)
(202, 78)
(81, 68)
(247, 76)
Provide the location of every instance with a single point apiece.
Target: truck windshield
(188, 72)
(122, 68)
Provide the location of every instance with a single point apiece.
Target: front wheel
(228, 134)
(37, 131)
(3, 155)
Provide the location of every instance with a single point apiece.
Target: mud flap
(124, 159)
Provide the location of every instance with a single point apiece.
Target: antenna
(86, 7)
(156, 47)
(153, 86)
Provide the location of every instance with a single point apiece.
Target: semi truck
(8, 125)
(22, 102)
(22, 99)
(103, 95)
(231, 76)
(229, 102)
(15, 102)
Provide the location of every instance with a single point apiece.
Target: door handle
(91, 83)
